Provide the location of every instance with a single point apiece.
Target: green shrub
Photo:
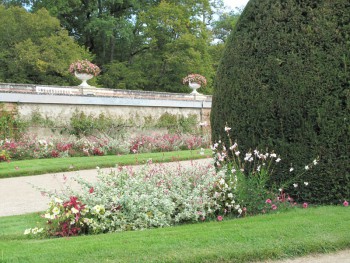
(10, 126)
(85, 125)
(283, 84)
(178, 123)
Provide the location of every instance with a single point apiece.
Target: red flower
(91, 190)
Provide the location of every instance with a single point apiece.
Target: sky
(235, 3)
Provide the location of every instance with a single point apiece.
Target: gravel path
(18, 196)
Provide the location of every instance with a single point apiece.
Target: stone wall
(59, 103)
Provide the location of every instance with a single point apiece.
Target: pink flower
(346, 203)
(91, 190)
(305, 205)
(219, 218)
(268, 201)
(274, 207)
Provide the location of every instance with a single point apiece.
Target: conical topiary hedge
(283, 83)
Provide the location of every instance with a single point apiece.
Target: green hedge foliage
(283, 84)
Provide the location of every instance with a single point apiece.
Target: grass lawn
(54, 165)
(281, 235)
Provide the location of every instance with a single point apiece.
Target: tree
(160, 42)
(34, 48)
(283, 84)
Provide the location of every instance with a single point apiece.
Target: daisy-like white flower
(237, 153)
(315, 162)
(273, 155)
(307, 167)
(295, 185)
(278, 160)
(306, 183)
(56, 210)
(291, 169)
(227, 129)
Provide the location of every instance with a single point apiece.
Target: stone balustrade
(99, 92)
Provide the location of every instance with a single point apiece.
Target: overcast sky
(236, 3)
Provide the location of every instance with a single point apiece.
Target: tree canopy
(34, 48)
(148, 45)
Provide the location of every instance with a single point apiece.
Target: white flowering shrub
(247, 186)
(128, 199)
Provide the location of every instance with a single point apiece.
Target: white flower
(203, 124)
(227, 129)
(315, 162)
(239, 211)
(273, 155)
(98, 168)
(258, 169)
(291, 169)
(237, 153)
(307, 167)
(35, 230)
(306, 183)
(57, 200)
(230, 195)
(74, 210)
(55, 210)
(27, 231)
(222, 181)
(278, 160)
(247, 156)
(237, 207)
(233, 146)
(48, 216)
(233, 170)
(201, 151)
(295, 185)
(280, 189)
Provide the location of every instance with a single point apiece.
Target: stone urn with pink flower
(194, 81)
(84, 70)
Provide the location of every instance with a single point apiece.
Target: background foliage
(283, 84)
(145, 45)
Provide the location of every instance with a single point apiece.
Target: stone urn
(194, 86)
(84, 77)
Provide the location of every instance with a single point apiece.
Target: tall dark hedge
(283, 84)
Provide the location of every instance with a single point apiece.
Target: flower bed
(31, 147)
